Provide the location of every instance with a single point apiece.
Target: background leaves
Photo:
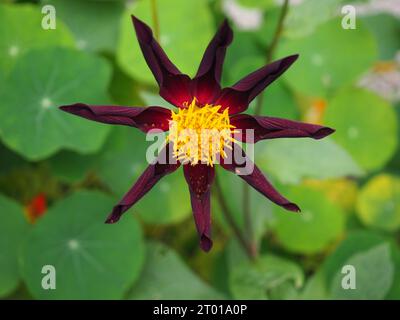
(347, 186)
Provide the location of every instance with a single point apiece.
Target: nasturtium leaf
(92, 260)
(318, 225)
(329, 58)
(269, 277)
(168, 202)
(9, 160)
(378, 204)
(72, 167)
(388, 25)
(279, 102)
(185, 29)
(123, 160)
(13, 228)
(374, 272)
(291, 160)
(361, 242)
(307, 16)
(243, 46)
(315, 288)
(95, 24)
(30, 121)
(166, 276)
(21, 30)
(366, 126)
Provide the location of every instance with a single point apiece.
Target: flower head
(202, 128)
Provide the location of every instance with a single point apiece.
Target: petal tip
(292, 207)
(206, 243)
(113, 217)
(323, 132)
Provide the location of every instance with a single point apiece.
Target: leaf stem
(269, 54)
(156, 23)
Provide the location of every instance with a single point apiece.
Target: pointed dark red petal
(200, 178)
(144, 184)
(256, 178)
(143, 118)
(206, 83)
(238, 97)
(271, 128)
(174, 85)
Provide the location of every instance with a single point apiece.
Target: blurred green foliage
(348, 186)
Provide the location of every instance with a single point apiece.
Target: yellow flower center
(200, 133)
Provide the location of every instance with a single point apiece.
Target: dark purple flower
(201, 104)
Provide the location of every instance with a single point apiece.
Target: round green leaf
(366, 126)
(359, 244)
(121, 163)
(260, 207)
(22, 30)
(268, 277)
(165, 276)
(185, 30)
(30, 121)
(318, 224)
(168, 201)
(92, 260)
(330, 57)
(378, 205)
(291, 160)
(13, 227)
(70, 166)
(374, 272)
(95, 24)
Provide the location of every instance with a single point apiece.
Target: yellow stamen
(200, 133)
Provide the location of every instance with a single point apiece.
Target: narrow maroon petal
(238, 97)
(153, 173)
(143, 118)
(200, 178)
(271, 128)
(255, 178)
(206, 83)
(174, 85)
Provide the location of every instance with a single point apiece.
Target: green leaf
(95, 24)
(13, 228)
(366, 126)
(388, 25)
(168, 202)
(260, 207)
(22, 30)
(30, 121)
(378, 205)
(269, 277)
(165, 276)
(318, 224)
(304, 18)
(374, 272)
(315, 288)
(329, 58)
(72, 167)
(123, 158)
(122, 162)
(291, 160)
(92, 260)
(356, 243)
(185, 30)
